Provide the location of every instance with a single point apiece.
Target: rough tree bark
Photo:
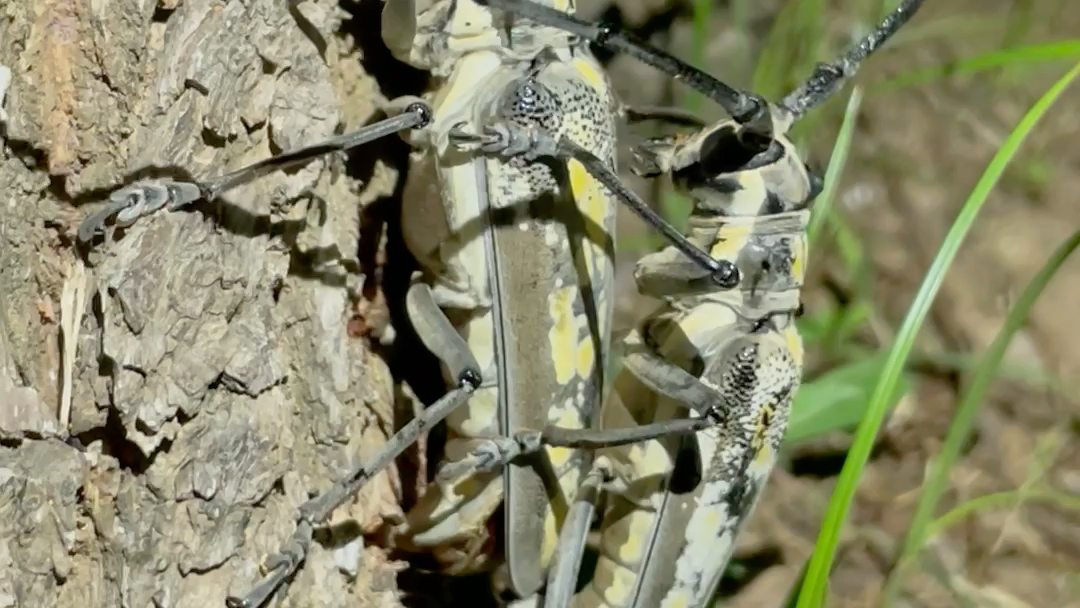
(204, 355)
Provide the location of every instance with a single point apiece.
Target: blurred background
(931, 110)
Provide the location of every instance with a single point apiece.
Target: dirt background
(218, 365)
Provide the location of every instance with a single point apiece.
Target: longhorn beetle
(732, 356)
(522, 251)
(515, 300)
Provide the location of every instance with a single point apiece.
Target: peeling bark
(215, 385)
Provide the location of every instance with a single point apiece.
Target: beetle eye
(723, 152)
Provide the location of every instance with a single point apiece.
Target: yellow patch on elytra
(694, 324)
(559, 456)
(794, 344)
(480, 335)
(563, 332)
(730, 240)
(590, 200)
(608, 585)
(622, 583)
(480, 416)
(712, 519)
(632, 550)
(649, 458)
(567, 417)
(468, 486)
(636, 453)
(746, 201)
(551, 539)
(586, 358)
(588, 71)
(763, 456)
(676, 599)
(798, 265)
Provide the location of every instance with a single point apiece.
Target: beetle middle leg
(442, 340)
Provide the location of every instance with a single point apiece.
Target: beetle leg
(439, 336)
(513, 140)
(563, 574)
(145, 197)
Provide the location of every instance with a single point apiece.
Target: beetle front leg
(146, 197)
(493, 453)
(511, 140)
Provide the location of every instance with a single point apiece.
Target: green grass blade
(1036, 53)
(836, 513)
(702, 17)
(938, 477)
(1027, 376)
(796, 587)
(1018, 25)
(838, 399)
(963, 26)
(850, 248)
(823, 205)
(791, 47)
(999, 500)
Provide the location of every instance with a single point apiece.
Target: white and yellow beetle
(676, 503)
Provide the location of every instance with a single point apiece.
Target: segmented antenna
(746, 108)
(829, 77)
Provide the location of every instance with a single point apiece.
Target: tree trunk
(202, 355)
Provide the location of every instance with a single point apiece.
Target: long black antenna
(746, 108)
(829, 77)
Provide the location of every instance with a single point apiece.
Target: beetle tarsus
(146, 197)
